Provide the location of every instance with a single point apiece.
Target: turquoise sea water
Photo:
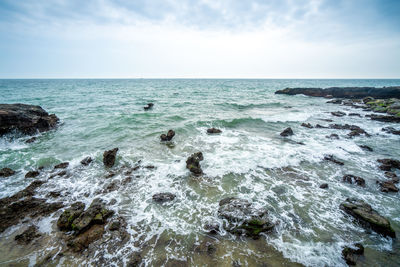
(248, 160)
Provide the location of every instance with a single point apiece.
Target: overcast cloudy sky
(206, 38)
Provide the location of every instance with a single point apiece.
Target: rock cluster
(193, 163)
(167, 137)
(348, 178)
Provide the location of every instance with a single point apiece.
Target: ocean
(249, 160)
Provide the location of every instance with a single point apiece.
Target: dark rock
(392, 175)
(367, 99)
(332, 158)
(109, 157)
(242, 218)
(365, 147)
(345, 92)
(307, 125)
(354, 115)
(355, 130)
(351, 255)
(134, 260)
(367, 216)
(6, 172)
(338, 113)
(86, 161)
(163, 197)
(168, 136)
(111, 187)
(385, 167)
(324, 186)
(54, 194)
(333, 136)
(148, 106)
(348, 178)
(327, 120)
(115, 225)
(214, 131)
(212, 228)
(287, 132)
(193, 163)
(66, 219)
(84, 239)
(388, 186)
(27, 119)
(31, 174)
(385, 118)
(31, 140)
(62, 165)
(391, 130)
(334, 101)
(393, 163)
(28, 235)
(319, 126)
(150, 167)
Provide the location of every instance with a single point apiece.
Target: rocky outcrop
(351, 255)
(385, 118)
(338, 113)
(242, 218)
(193, 163)
(28, 235)
(86, 161)
(354, 129)
(287, 132)
(168, 136)
(367, 216)
(389, 164)
(213, 131)
(391, 130)
(348, 178)
(109, 157)
(6, 172)
(307, 125)
(163, 197)
(345, 92)
(27, 119)
(388, 186)
(32, 174)
(66, 219)
(62, 165)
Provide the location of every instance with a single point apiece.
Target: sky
(200, 39)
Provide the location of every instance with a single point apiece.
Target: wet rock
(307, 125)
(367, 216)
(54, 194)
(27, 119)
(193, 163)
(242, 218)
(115, 225)
(110, 174)
(287, 132)
(114, 185)
(66, 219)
(163, 197)
(392, 175)
(351, 255)
(388, 186)
(354, 115)
(348, 178)
(391, 130)
(28, 235)
(367, 99)
(168, 136)
(150, 167)
(84, 239)
(212, 228)
(385, 167)
(384, 118)
(86, 161)
(148, 106)
(355, 130)
(206, 247)
(324, 186)
(32, 174)
(392, 163)
(334, 101)
(214, 131)
(338, 113)
(31, 140)
(134, 260)
(109, 157)
(333, 136)
(333, 159)
(319, 126)
(62, 165)
(366, 148)
(6, 172)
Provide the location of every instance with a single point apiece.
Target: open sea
(249, 160)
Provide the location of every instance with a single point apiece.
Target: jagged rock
(32, 174)
(212, 227)
(391, 130)
(31, 140)
(84, 239)
(355, 130)
(214, 131)
(163, 197)
(66, 219)
(148, 106)
(324, 186)
(168, 136)
(109, 157)
(6, 172)
(62, 165)
(338, 113)
(351, 255)
(115, 225)
(333, 136)
(27, 119)
(385, 167)
(385, 118)
(242, 218)
(367, 216)
(193, 163)
(390, 163)
(388, 186)
(135, 260)
(86, 161)
(393, 176)
(28, 235)
(348, 178)
(287, 132)
(332, 158)
(307, 125)
(365, 147)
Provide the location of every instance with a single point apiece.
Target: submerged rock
(307, 125)
(354, 115)
(333, 136)
(287, 132)
(365, 147)
(367, 216)
(214, 131)
(86, 161)
(242, 218)
(323, 186)
(193, 163)
(6, 172)
(168, 136)
(109, 157)
(348, 178)
(333, 159)
(148, 106)
(338, 113)
(31, 140)
(392, 175)
(351, 255)
(334, 101)
(62, 165)
(32, 174)
(27, 119)
(163, 197)
(28, 235)
(391, 130)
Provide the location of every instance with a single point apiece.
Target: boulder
(242, 218)
(193, 163)
(66, 219)
(163, 197)
(348, 178)
(333, 159)
(27, 119)
(148, 106)
(168, 136)
(287, 132)
(388, 186)
(6, 172)
(84, 239)
(32, 174)
(109, 157)
(366, 148)
(62, 165)
(307, 125)
(86, 161)
(338, 113)
(367, 216)
(31, 140)
(354, 115)
(323, 186)
(28, 235)
(214, 131)
(390, 163)
(351, 255)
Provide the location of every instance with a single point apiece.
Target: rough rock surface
(193, 163)
(348, 178)
(388, 186)
(32, 174)
(307, 125)
(242, 218)
(109, 157)
(86, 161)
(214, 131)
(338, 113)
(163, 197)
(28, 235)
(287, 132)
(366, 148)
(367, 216)
(6, 172)
(385, 118)
(62, 165)
(388, 164)
(27, 119)
(66, 219)
(168, 136)
(351, 255)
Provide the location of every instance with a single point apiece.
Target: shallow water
(248, 160)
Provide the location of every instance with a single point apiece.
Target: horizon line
(188, 78)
